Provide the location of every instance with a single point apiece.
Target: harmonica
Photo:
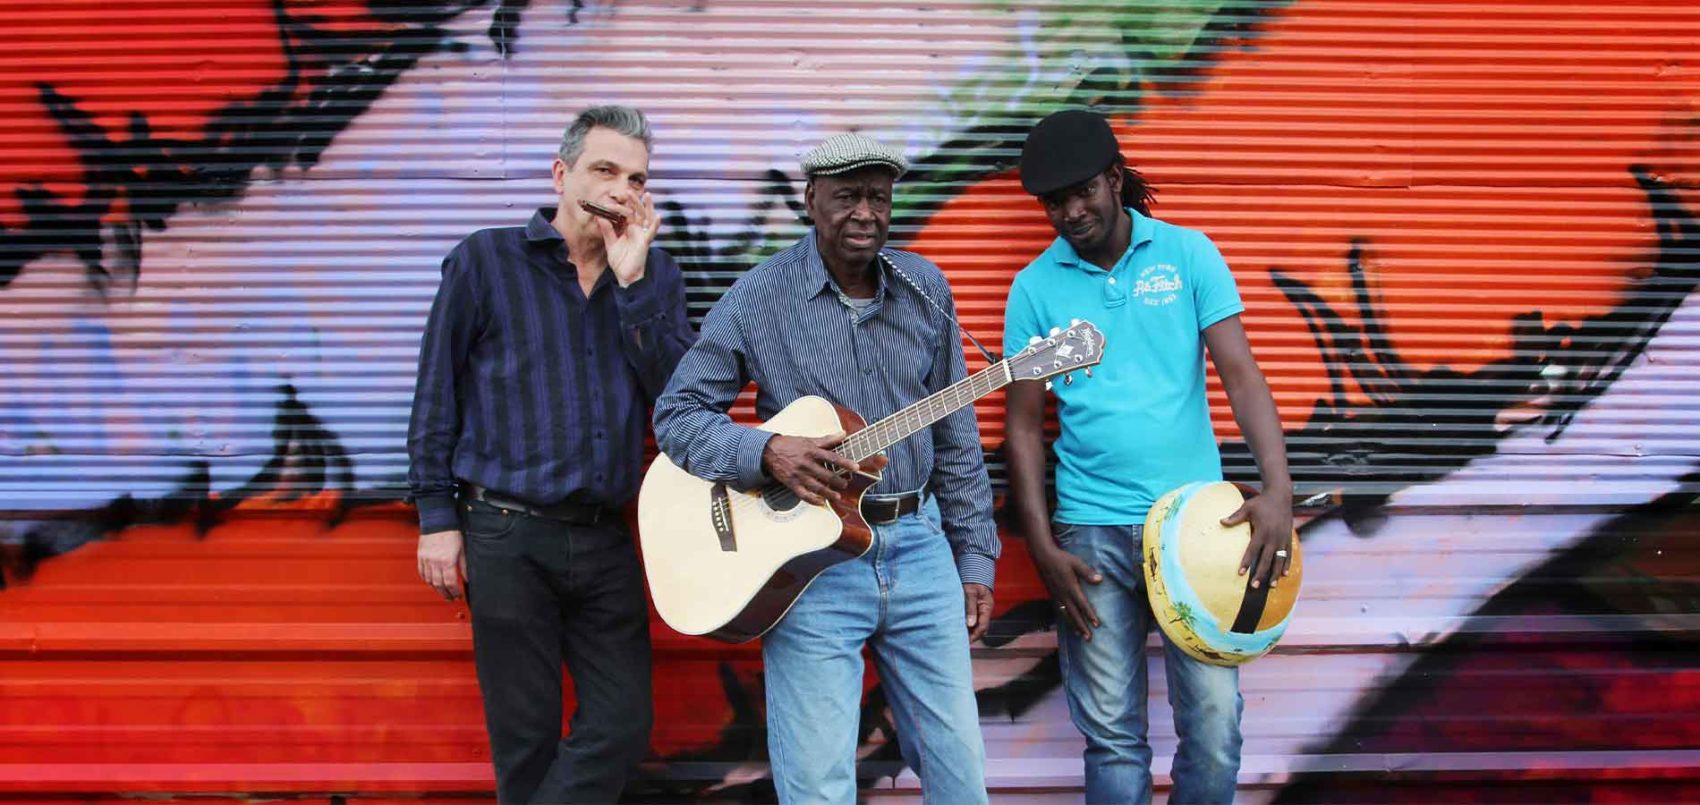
(618, 218)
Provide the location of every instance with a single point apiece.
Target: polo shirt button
(1112, 280)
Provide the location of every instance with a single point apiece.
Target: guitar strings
(920, 410)
(746, 500)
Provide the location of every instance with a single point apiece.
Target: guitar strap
(917, 286)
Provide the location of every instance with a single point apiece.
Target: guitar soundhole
(779, 497)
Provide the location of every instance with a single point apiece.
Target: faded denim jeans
(1106, 681)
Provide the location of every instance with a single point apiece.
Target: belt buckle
(885, 511)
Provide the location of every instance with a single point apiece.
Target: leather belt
(884, 510)
(575, 513)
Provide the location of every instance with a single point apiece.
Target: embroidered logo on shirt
(1158, 284)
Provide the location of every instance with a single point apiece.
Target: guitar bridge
(720, 512)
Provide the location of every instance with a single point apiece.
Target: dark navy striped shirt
(528, 388)
(788, 327)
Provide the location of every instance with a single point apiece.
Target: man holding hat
(873, 329)
(1161, 294)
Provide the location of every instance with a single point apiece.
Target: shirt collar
(1064, 254)
(541, 226)
(817, 280)
(541, 229)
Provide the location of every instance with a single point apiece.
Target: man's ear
(1115, 177)
(559, 170)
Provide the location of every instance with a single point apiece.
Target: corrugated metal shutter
(1465, 233)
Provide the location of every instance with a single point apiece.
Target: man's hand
(628, 247)
(442, 562)
(977, 600)
(1062, 573)
(1271, 517)
(802, 464)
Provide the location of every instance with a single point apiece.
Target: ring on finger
(1281, 554)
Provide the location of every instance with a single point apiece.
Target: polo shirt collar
(1063, 254)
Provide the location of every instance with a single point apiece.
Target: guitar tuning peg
(1047, 385)
(1072, 322)
(1068, 379)
(1055, 330)
(1088, 371)
(1035, 340)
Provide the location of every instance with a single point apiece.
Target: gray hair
(621, 119)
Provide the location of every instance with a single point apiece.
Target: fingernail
(1254, 584)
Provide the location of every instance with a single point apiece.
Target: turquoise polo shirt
(1141, 425)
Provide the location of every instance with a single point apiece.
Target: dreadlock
(1136, 192)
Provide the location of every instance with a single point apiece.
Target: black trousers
(542, 592)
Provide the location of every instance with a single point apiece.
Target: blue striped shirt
(788, 327)
(529, 388)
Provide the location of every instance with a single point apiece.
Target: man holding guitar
(544, 347)
(1163, 295)
(872, 330)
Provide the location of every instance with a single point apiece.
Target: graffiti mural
(1466, 234)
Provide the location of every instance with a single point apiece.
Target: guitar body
(729, 564)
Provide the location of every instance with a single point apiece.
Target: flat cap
(1065, 149)
(842, 153)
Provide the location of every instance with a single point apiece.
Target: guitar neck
(869, 441)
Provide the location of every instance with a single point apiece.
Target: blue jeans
(902, 598)
(1105, 677)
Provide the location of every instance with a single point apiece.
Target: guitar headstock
(1080, 346)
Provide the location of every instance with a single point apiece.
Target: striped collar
(818, 280)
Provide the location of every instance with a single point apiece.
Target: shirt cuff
(751, 443)
(437, 513)
(976, 568)
(637, 302)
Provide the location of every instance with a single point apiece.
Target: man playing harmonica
(544, 349)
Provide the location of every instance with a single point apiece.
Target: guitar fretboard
(869, 441)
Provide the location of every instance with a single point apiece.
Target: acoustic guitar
(729, 563)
